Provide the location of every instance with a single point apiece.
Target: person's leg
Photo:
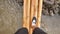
(38, 31)
(22, 31)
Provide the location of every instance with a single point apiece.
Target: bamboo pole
(28, 15)
(34, 10)
(39, 12)
(24, 13)
(32, 14)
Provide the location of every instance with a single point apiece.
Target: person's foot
(38, 31)
(22, 31)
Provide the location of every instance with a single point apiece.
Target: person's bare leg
(22, 31)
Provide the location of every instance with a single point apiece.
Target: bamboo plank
(28, 15)
(24, 13)
(34, 8)
(39, 13)
(32, 14)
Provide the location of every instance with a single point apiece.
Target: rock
(52, 5)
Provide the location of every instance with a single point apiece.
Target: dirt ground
(10, 17)
(51, 24)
